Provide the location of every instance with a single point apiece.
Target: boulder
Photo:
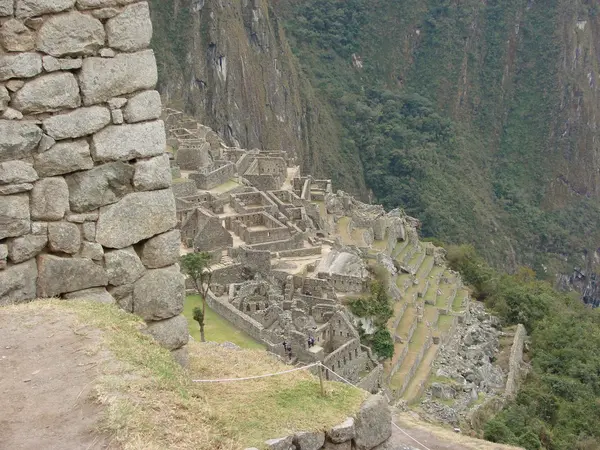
(22, 65)
(161, 250)
(16, 37)
(71, 34)
(159, 294)
(104, 78)
(52, 64)
(341, 446)
(14, 172)
(31, 8)
(77, 123)
(442, 391)
(373, 423)
(152, 174)
(131, 30)
(48, 93)
(123, 266)
(123, 295)
(64, 237)
(136, 217)
(125, 142)
(19, 139)
(170, 333)
(284, 443)
(342, 432)
(14, 215)
(143, 106)
(99, 186)
(49, 199)
(64, 157)
(309, 440)
(59, 275)
(91, 250)
(17, 283)
(6, 8)
(26, 247)
(97, 295)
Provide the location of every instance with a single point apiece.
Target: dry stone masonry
(86, 206)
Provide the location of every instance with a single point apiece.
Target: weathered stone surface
(16, 37)
(14, 85)
(52, 64)
(105, 13)
(61, 275)
(125, 142)
(159, 294)
(17, 283)
(4, 98)
(71, 34)
(10, 189)
(102, 79)
(284, 443)
(13, 172)
(6, 7)
(131, 30)
(117, 116)
(31, 8)
(342, 432)
(19, 140)
(35, 23)
(136, 217)
(49, 199)
(64, 157)
(77, 123)
(171, 333)
(26, 247)
(64, 237)
(123, 295)
(98, 295)
(152, 174)
(89, 4)
(309, 440)
(182, 356)
(143, 106)
(48, 93)
(117, 102)
(123, 266)
(373, 423)
(45, 144)
(92, 251)
(12, 114)
(22, 65)
(89, 231)
(162, 250)
(83, 217)
(99, 186)
(3, 256)
(14, 215)
(39, 228)
(341, 446)
(107, 53)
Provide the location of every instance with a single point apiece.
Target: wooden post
(321, 380)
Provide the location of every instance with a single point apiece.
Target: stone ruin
(86, 206)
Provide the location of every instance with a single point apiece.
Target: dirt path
(47, 368)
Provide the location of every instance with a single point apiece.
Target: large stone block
(6, 8)
(171, 333)
(11, 189)
(61, 275)
(90, 4)
(284, 443)
(31, 8)
(22, 65)
(125, 142)
(49, 199)
(4, 98)
(17, 283)
(373, 423)
(19, 139)
(100, 186)
(77, 123)
(16, 37)
(123, 295)
(52, 64)
(131, 30)
(342, 432)
(341, 446)
(143, 106)
(152, 174)
(13, 172)
(136, 217)
(162, 250)
(159, 294)
(123, 266)
(104, 78)
(97, 295)
(309, 440)
(48, 93)
(72, 34)
(64, 157)
(92, 251)
(64, 237)
(14, 215)
(26, 247)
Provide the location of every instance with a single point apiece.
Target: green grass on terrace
(216, 329)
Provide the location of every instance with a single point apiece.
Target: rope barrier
(227, 380)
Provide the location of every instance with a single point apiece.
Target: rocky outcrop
(84, 182)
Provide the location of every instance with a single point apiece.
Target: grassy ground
(216, 329)
(151, 403)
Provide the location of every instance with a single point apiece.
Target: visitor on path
(284, 346)
(289, 350)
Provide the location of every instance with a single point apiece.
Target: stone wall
(515, 362)
(86, 206)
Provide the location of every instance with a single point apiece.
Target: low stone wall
(414, 368)
(515, 361)
(300, 252)
(247, 324)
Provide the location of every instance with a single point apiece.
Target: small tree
(197, 267)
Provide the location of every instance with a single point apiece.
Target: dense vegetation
(558, 407)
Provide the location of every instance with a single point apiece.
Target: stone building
(86, 206)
